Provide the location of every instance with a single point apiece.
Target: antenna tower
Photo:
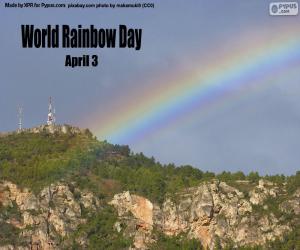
(20, 116)
(51, 114)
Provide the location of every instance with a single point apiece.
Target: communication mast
(20, 116)
(51, 114)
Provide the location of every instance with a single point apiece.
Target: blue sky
(261, 135)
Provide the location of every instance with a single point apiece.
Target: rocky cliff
(46, 218)
(213, 212)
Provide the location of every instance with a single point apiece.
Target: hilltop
(61, 188)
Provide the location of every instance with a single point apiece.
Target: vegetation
(293, 183)
(101, 233)
(9, 233)
(180, 242)
(290, 241)
(35, 160)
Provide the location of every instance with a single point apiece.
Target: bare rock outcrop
(45, 217)
(210, 212)
(142, 210)
(262, 191)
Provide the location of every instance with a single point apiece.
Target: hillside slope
(61, 188)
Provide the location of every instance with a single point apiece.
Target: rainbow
(256, 63)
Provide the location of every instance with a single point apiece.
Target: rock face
(48, 216)
(262, 191)
(142, 211)
(210, 212)
(64, 129)
(51, 129)
(292, 204)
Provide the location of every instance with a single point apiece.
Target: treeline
(35, 160)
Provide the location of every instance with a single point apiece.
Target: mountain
(61, 188)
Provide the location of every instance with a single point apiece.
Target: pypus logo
(283, 9)
(274, 9)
